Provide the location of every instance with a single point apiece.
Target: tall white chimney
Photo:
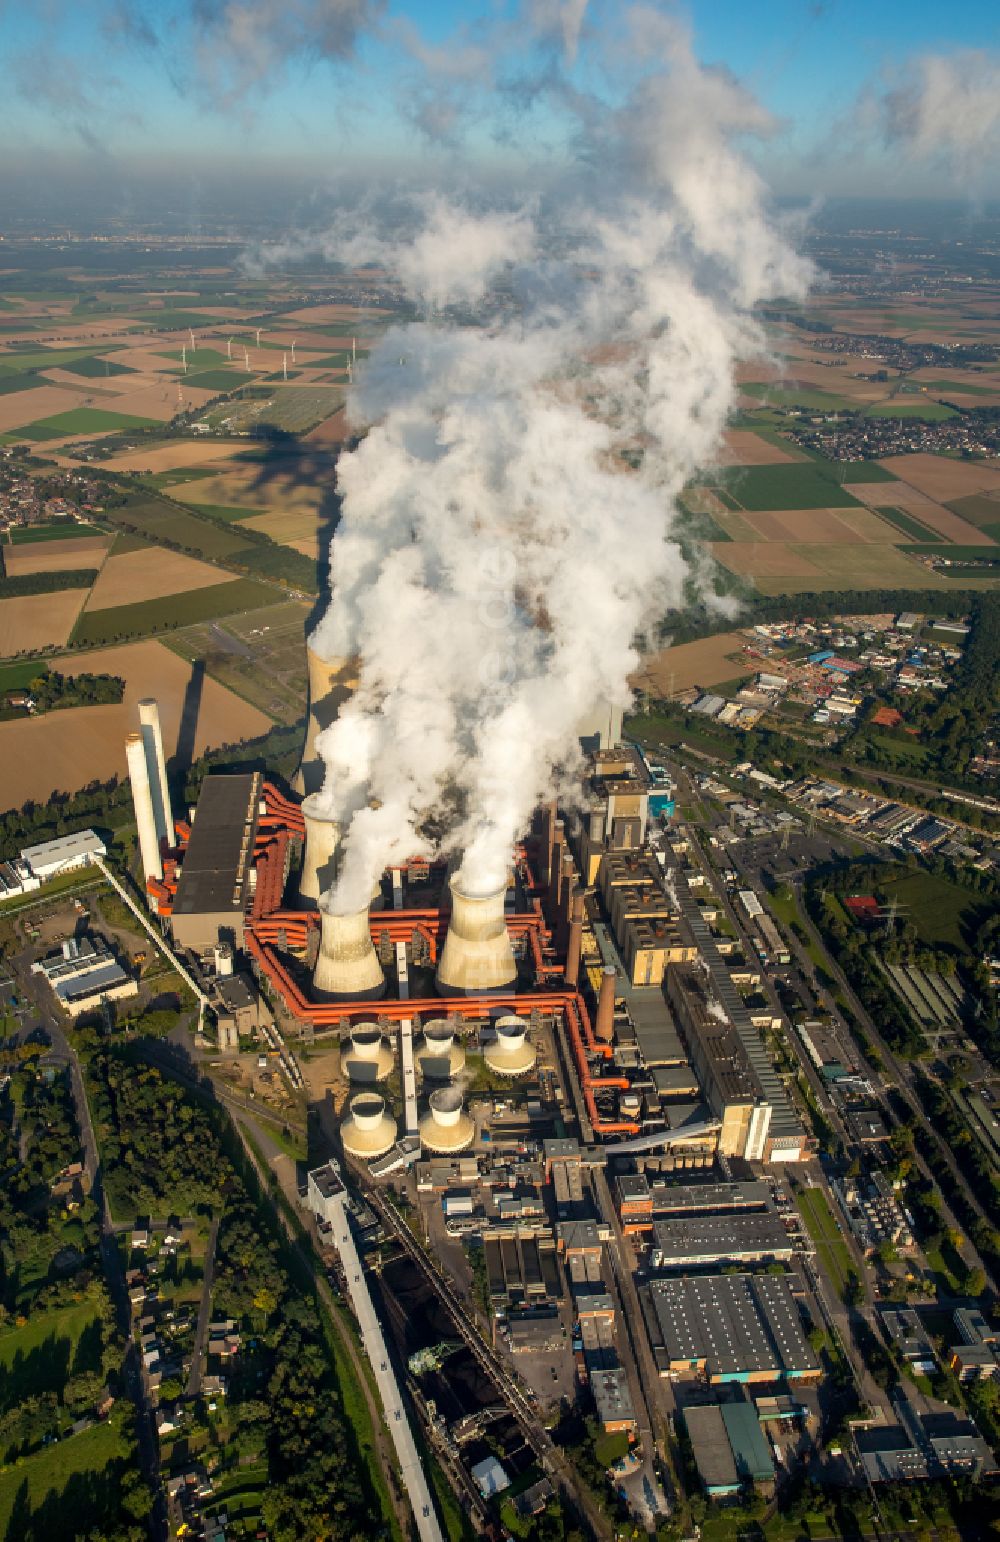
(320, 856)
(142, 800)
(331, 682)
(347, 968)
(156, 767)
(477, 956)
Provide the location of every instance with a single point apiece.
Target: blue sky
(77, 80)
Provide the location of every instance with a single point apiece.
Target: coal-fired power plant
(477, 957)
(322, 836)
(156, 768)
(142, 800)
(347, 966)
(331, 682)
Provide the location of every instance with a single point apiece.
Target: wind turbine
(191, 336)
(350, 373)
(293, 350)
(246, 359)
(229, 348)
(354, 350)
(184, 357)
(258, 337)
(284, 366)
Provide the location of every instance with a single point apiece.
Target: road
(204, 1313)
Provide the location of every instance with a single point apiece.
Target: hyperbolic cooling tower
(477, 956)
(446, 1127)
(156, 767)
(368, 1131)
(142, 799)
(347, 968)
(438, 1056)
(331, 682)
(510, 1054)
(365, 1056)
(319, 857)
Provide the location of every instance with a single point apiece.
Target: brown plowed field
(56, 556)
(944, 479)
(62, 751)
(333, 430)
(757, 559)
(22, 407)
(705, 663)
(38, 620)
(171, 457)
(817, 525)
(149, 573)
(742, 447)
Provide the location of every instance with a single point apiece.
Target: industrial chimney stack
(319, 859)
(605, 1028)
(347, 967)
(477, 956)
(575, 945)
(142, 800)
(156, 770)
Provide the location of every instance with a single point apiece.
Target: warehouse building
(696, 1241)
(214, 886)
(730, 1327)
(85, 975)
(713, 1455)
(63, 854)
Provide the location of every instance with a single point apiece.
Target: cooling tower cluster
(319, 861)
(366, 1055)
(147, 773)
(331, 682)
(446, 1127)
(368, 1131)
(347, 967)
(477, 956)
(439, 1055)
(510, 1054)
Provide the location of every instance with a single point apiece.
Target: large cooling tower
(477, 956)
(365, 1056)
(142, 800)
(347, 968)
(368, 1131)
(446, 1127)
(156, 767)
(510, 1054)
(331, 682)
(319, 856)
(438, 1055)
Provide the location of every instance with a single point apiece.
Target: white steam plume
(946, 109)
(496, 556)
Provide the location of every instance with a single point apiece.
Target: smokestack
(331, 682)
(551, 816)
(575, 943)
(477, 956)
(156, 769)
(142, 800)
(347, 968)
(555, 871)
(568, 888)
(605, 1028)
(319, 860)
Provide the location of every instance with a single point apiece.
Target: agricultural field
(159, 520)
(707, 662)
(34, 621)
(260, 657)
(119, 623)
(61, 751)
(55, 556)
(128, 578)
(178, 454)
(805, 485)
(83, 420)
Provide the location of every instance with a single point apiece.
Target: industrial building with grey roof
(733, 1327)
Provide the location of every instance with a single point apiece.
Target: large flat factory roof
(742, 1327)
(216, 866)
(709, 1198)
(706, 1239)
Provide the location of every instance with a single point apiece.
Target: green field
(215, 379)
(93, 368)
(227, 512)
(43, 358)
(978, 510)
(931, 412)
(10, 384)
(56, 530)
(159, 520)
(14, 677)
(958, 388)
(50, 1347)
(943, 913)
(805, 485)
(158, 479)
(831, 1249)
(82, 420)
(907, 525)
(26, 1486)
(169, 612)
(200, 358)
(981, 554)
(864, 471)
(790, 395)
(267, 668)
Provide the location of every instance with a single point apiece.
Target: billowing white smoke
(946, 109)
(497, 556)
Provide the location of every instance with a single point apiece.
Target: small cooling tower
(477, 956)
(368, 1131)
(510, 1054)
(438, 1055)
(446, 1127)
(320, 854)
(365, 1056)
(347, 967)
(331, 682)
